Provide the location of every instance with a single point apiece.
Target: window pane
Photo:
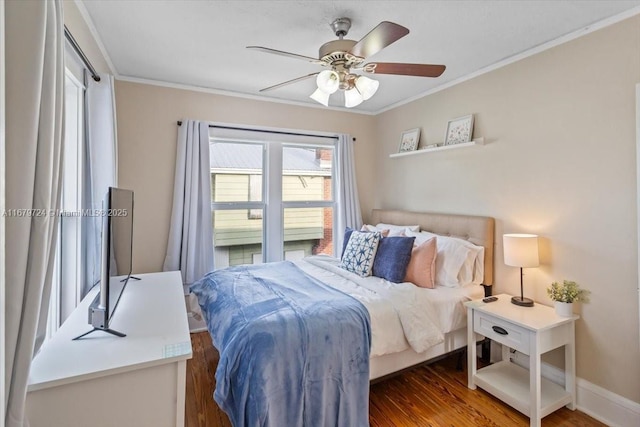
(308, 230)
(236, 238)
(236, 172)
(306, 174)
(255, 195)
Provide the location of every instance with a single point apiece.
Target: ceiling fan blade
(420, 70)
(288, 54)
(380, 37)
(288, 82)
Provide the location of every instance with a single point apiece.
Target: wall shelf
(476, 141)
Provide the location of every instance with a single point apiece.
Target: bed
(300, 343)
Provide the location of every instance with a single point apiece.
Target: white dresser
(103, 380)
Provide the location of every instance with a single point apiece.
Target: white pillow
(360, 252)
(373, 228)
(458, 262)
(396, 230)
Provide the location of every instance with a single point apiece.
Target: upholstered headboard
(479, 230)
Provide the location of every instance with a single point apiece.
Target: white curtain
(190, 246)
(34, 133)
(100, 168)
(349, 214)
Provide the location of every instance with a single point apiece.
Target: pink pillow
(421, 270)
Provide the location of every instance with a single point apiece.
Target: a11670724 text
(39, 213)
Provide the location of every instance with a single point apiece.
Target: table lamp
(521, 250)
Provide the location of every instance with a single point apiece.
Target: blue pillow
(347, 235)
(392, 258)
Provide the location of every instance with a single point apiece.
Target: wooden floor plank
(434, 395)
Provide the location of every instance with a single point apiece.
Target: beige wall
(560, 162)
(147, 133)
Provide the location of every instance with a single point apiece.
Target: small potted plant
(565, 295)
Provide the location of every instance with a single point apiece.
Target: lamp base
(522, 301)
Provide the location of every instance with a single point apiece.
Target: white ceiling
(202, 43)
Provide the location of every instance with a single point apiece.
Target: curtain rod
(268, 131)
(83, 57)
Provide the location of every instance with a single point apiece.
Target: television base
(111, 331)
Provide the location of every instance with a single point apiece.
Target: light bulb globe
(352, 98)
(367, 87)
(328, 81)
(321, 97)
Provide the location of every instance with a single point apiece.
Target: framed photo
(459, 130)
(409, 140)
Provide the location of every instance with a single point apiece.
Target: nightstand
(529, 330)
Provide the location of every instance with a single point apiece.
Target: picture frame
(409, 140)
(459, 130)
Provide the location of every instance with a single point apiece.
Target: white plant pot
(564, 309)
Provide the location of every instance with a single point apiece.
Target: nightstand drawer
(501, 331)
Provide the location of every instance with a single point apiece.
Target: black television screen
(116, 258)
(116, 266)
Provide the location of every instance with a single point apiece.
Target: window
(67, 278)
(287, 212)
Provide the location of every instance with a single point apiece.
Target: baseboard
(595, 401)
(196, 324)
(606, 406)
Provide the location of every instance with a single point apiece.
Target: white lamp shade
(328, 81)
(520, 250)
(367, 87)
(352, 98)
(321, 97)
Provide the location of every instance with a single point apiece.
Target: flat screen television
(116, 258)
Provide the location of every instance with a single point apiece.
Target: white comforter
(401, 314)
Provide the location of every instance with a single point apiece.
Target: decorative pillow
(392, 258)
(360, 252)
(345, 240)
(396, 230)
(421, 270)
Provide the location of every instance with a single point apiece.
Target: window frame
(272, 204)
(66, 288)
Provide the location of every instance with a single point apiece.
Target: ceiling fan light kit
(344, 56)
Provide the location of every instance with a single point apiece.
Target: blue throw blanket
(293, 351)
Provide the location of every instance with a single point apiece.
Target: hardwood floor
(434, 395)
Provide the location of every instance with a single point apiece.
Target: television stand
(111, 331)
(105, 382)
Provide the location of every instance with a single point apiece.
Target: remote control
(489, 299)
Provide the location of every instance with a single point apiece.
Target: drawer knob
(499, 330)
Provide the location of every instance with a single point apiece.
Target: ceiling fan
(342, 57)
